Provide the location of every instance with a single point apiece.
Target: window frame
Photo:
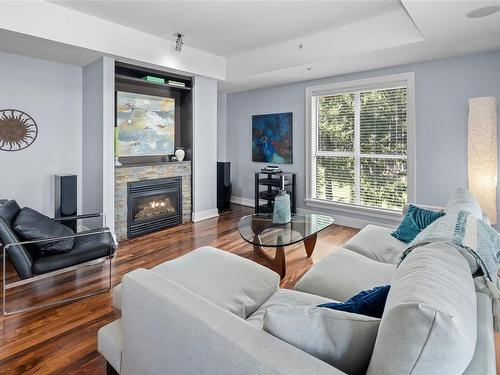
(388, 81)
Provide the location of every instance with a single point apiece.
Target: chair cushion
(342, 339)
(429, 321)
(33, 225)
(377, 243)
(86, 248)
(228, 280)
(9, 211)
(343, 274)
(20, 256)
(284, 297)
(463, 200)
(368, 302)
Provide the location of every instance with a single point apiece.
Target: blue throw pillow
(415, 220)
(368, 302)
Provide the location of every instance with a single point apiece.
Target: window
(359, 143)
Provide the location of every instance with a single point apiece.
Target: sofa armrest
(167, 329)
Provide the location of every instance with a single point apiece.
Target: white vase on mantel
(180, 153)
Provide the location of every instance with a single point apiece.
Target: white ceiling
(226, 28)
(260, 39)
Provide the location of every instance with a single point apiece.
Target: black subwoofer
(66, 198)
(223, 185)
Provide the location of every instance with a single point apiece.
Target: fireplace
(153, 205)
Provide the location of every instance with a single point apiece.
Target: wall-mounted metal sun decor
(18, 130)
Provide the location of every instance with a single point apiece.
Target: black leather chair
(29, 262)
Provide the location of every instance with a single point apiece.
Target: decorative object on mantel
(154, 79)
(281, 211)
(180, 153)
(482, 153)
(18, 130)
(272, 138)
(117, 133)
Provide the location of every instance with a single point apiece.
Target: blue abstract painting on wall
(272, 138)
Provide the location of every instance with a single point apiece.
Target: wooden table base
(278, 263)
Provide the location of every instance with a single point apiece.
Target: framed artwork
(146, 124)
(272, 138)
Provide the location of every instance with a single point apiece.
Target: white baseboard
(243, 201)
(204, 215)
(340, 219)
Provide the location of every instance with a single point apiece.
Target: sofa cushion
(429, 321)
(377, 243)
(284, 298)
(463, 200)
(9, 211)
(228, 280)
(342, 339)
(344, 273)
(33, 225)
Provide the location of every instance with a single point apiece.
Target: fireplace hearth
(153, 205)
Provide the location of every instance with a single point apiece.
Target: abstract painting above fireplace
(146, 124)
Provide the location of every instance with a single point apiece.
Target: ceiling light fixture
(179, 42)
(483, 12)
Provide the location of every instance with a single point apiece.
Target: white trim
(354, 209)
(353, 222)
(342, 216)
(393, 80)
(204, 215)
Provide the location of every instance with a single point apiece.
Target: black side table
(272, 183)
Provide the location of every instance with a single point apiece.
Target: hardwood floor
(63, 339)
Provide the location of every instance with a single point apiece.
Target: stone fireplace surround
(130, 173)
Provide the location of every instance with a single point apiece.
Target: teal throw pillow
(415, 220)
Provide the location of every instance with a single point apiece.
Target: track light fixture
(179, 42)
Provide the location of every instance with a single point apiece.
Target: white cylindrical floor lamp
(482, 153)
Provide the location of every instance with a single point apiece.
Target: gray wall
(442, 90)
(51, 93)
(205, 148)
(92, 137)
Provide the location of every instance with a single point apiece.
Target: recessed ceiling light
(483, 12)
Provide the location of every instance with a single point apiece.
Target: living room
(236, 187)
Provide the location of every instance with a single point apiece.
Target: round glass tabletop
(258, 229)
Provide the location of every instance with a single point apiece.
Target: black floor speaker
(223, 185)
(66, 198)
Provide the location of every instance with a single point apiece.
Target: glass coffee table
(259, 230)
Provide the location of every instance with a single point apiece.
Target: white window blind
(360, 147)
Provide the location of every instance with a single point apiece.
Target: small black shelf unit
(272, 183)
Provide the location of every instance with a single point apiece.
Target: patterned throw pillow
(415, 220)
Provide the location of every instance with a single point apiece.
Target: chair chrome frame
(6, 287)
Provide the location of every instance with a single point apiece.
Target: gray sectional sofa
(203, 313)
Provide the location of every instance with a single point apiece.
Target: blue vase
(281, 211)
